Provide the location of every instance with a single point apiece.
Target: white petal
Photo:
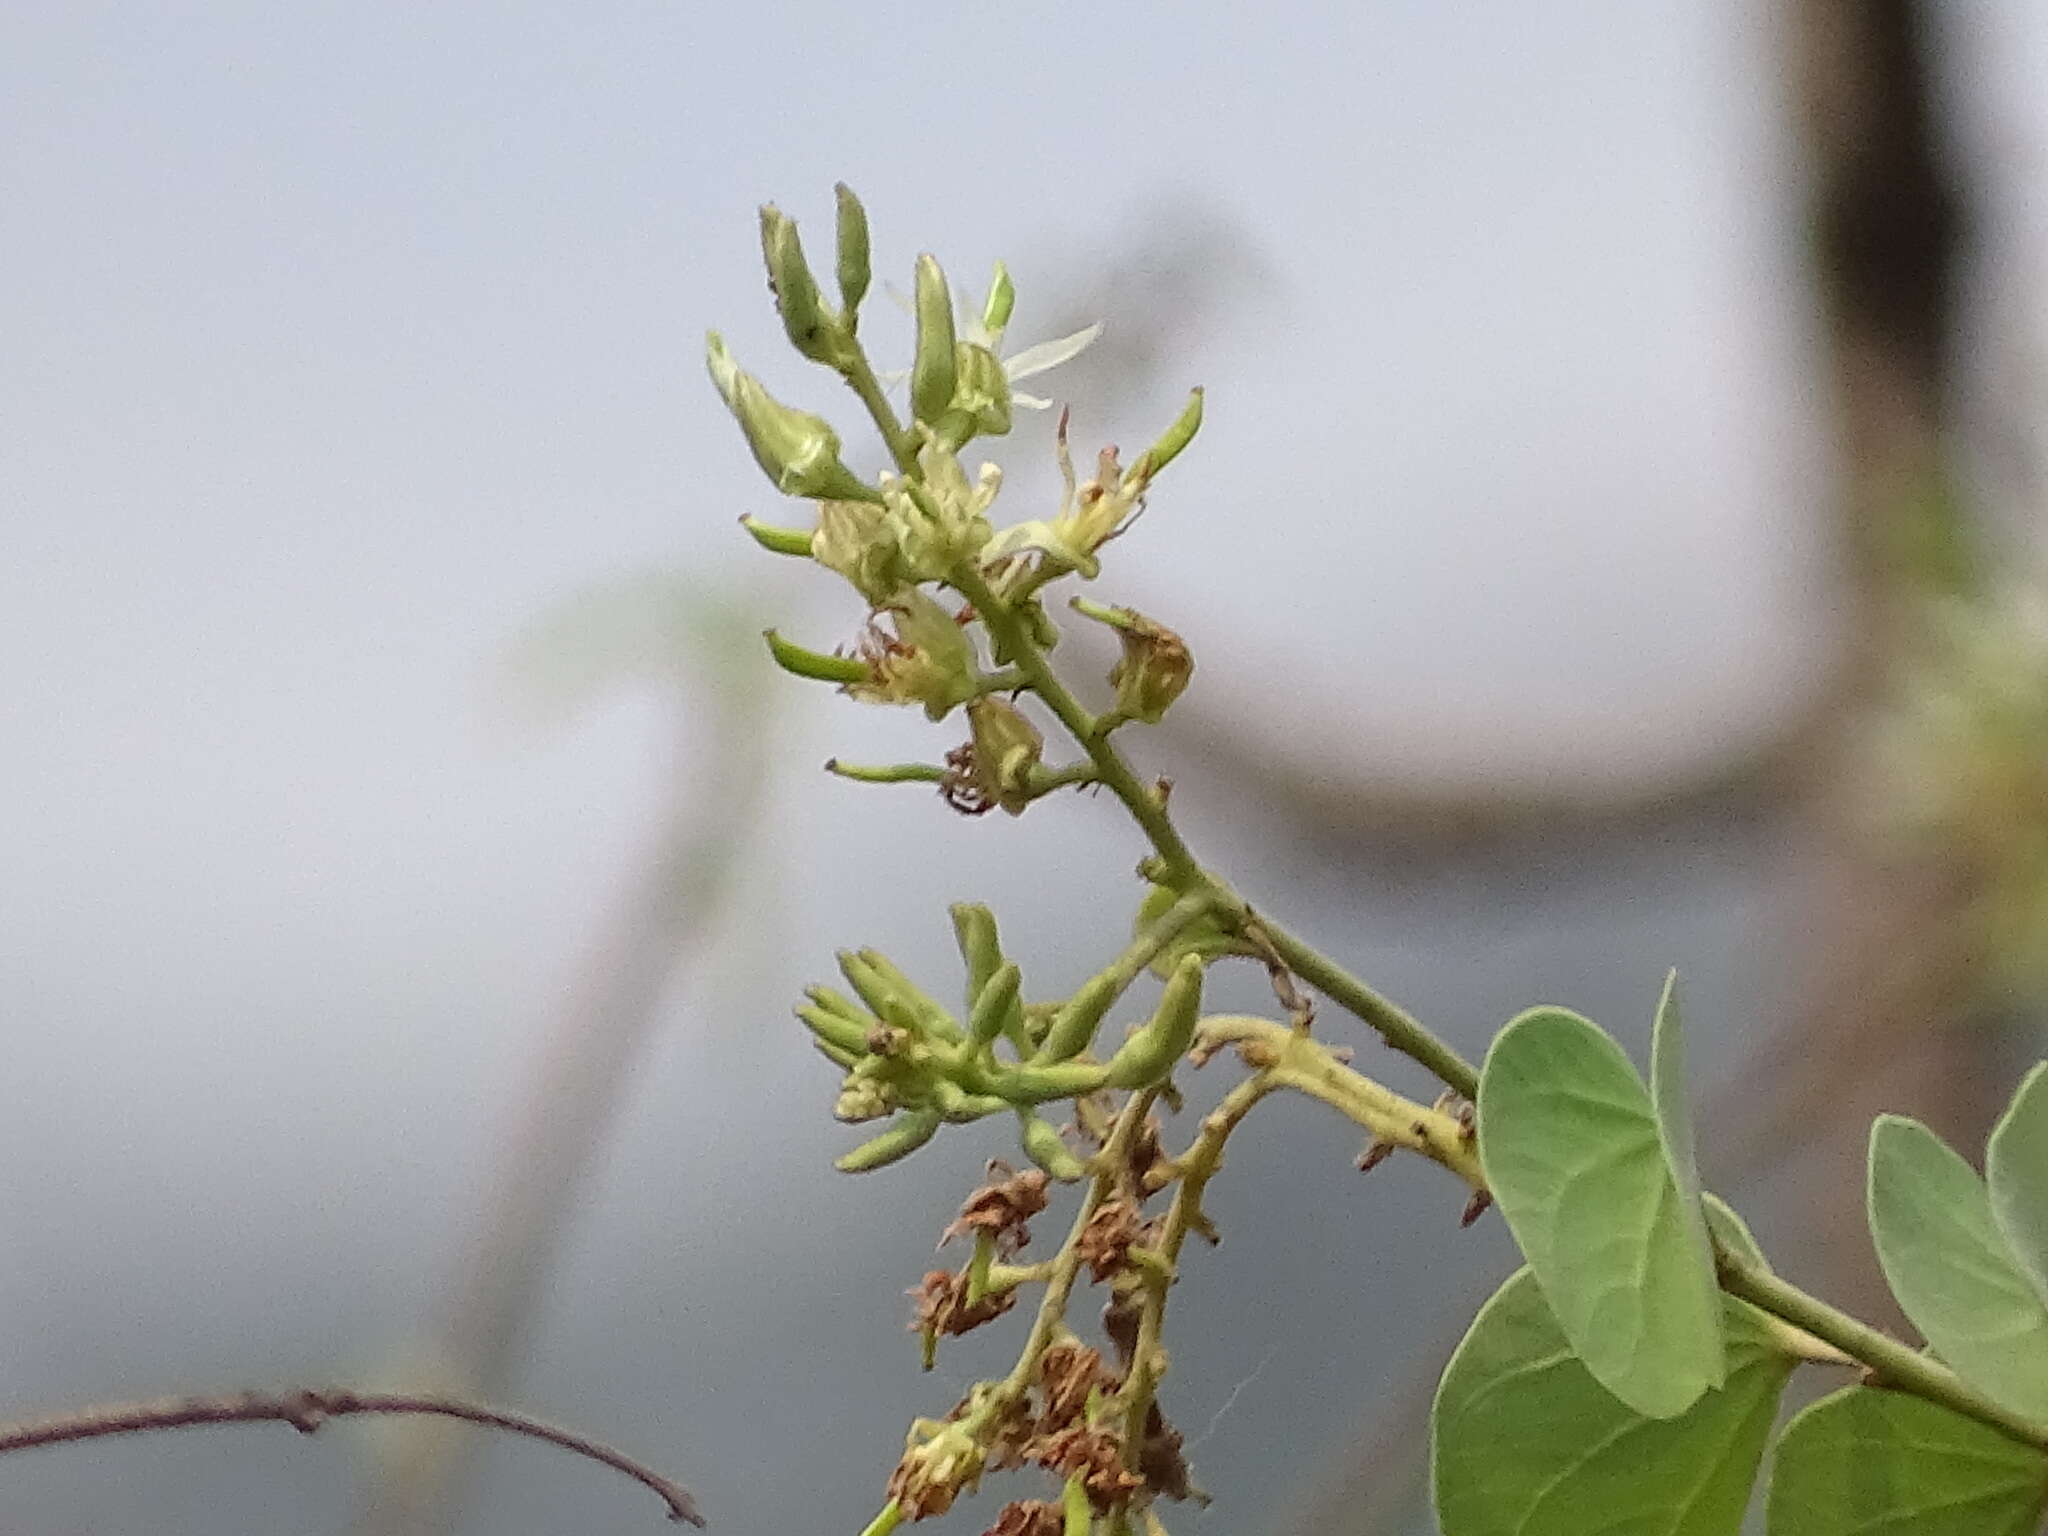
(1030, 402)
(1050, 354)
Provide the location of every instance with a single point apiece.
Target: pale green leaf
(1573, 1154)
(1732, 1232)
(1526, 1443)
(1674, 1124)
(1950, 1268)
(1864, 1462)
(2016, 1167)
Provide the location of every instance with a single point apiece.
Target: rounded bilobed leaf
(1526, 1443)
(1950, 1268)
(1864, 1462)
(1574, 1156)
(2016, 1167)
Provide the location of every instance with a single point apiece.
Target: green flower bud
(981, 397)
(837, 1055)
(932, 369)
(1002, 298)
(1041, 1084)
(815, 665)
(1007, 748)
(1151, 1053)
(858, 540)
(798, 451)
(853, 252)
(981, 949)
(959, 1107)
(909, 1133)
(1074, 1026)
(897, 999)
(813, 330)
(1045, 1147)
(778, 541)
(1170, 444)
(995, 1005)
(836, 1029)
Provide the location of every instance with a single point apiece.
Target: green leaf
(1575, 1158)
(1950, 1268)
(2016, 1166)
(1862, 1461)
(1526, 1443)
(1674, 1127)
(1732, 1232)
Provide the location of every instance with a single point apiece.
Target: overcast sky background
(340, 341)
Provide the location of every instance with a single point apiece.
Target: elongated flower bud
(981, 949)
(910, 1131)
(835, 1029)
(932, 370)
(815, 665)
(1150, 1054)
(992, 1009)
(1002, 298)
(1170, 444)
(1042, 1084)
(1044, 1146)
(779, 541)
(812, 329)
(796, 450)
(853, 253)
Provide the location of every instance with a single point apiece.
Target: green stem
(1178, 868)
(859, 374)
(1066, 1265)
(1197, 1166)
(1143, 804)
(1893, 1364)
(1395, 1024)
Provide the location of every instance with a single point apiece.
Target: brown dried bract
(1001, 1207)
(941, 1305)
(1120, 1320)
(1095, 1454)
(1160, 1461)
(1028, 1517)
(1067, 1372)
(1105, 1243)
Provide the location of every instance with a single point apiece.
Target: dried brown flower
(1097, 1457)
(1106, 1241)
(1001, 1207)
(941, 1305)
(1028, 1517)
(1067, 1372)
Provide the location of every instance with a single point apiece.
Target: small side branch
(307, 1410)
